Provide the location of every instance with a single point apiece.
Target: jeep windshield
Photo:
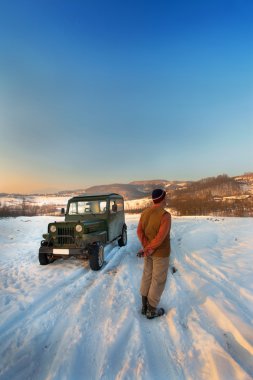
(87, 207)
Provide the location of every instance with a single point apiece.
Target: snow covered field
(37, 200)
(61, 201)
(63, 321)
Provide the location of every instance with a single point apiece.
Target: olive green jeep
(91, 222)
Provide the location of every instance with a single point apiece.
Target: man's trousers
(154, 278)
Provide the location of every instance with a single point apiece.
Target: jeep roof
(95, 195)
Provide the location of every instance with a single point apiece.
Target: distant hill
(221, 185)
(221, 195)
(138, 189)
(246, 182)
(151, 181)
(149, 186)
(128, 191)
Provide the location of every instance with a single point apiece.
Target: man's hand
(148, 252)
(140, 253)
(145, 252)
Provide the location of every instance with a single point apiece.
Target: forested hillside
(221, 195)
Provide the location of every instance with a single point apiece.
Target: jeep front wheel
(123, 239)
(43, 259)
(96, 258)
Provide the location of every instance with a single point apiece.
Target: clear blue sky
(95, 92)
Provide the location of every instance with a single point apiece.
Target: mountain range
(221, 185)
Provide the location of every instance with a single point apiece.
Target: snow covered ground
(38, 200)
(63, 321)
(61, 201)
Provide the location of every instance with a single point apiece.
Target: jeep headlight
(52, 228)
(79, 228)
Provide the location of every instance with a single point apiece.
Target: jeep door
(116, 218)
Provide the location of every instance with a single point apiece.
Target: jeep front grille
(65, 235)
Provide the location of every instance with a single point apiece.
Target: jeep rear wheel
(123, 240)
(96, 258)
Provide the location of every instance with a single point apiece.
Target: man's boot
(144, 305)
(153, 312)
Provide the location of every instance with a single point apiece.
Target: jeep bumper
(64, 252)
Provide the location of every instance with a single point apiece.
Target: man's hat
(158, 195)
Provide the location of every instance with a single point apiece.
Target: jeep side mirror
(63, 211)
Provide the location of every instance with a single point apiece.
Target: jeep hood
(89, 225)
(94, 225)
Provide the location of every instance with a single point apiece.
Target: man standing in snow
(154, 234)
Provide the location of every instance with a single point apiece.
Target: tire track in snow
(49, 309)
(102, 310)
(71, 282)
(146, 352)
(44, 302)
(79, 338)
(174, 326)
(26, 329)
